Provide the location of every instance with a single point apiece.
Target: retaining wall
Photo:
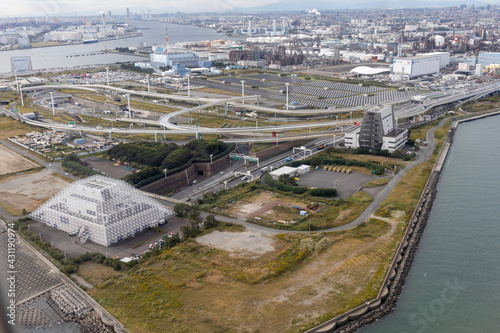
(185, 177)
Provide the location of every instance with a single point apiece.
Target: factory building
(101, 209)
(21, 64)
(488, 58)
(181, 58)
(378, 131)
(412, 67)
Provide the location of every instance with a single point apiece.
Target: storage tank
(79, 141)
(439, 40)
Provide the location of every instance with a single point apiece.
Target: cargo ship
(90, 41)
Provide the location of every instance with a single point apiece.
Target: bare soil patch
(29, 190)
(246, 244)
(13, 162)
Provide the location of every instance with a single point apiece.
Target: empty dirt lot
(28, 190)
(13, 162)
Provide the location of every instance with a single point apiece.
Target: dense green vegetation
(74, 164)
(152, 158)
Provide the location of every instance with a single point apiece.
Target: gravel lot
(346, 185)
(247, 244)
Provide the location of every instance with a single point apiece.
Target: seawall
(394, 281)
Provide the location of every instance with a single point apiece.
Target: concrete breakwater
(395, 279)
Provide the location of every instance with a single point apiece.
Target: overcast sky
(41, 8)
(24, 8)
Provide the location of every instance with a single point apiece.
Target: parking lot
(346, 185)
(106, 166)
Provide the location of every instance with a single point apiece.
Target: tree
(210, 222)
(286, 179)
(182, 209)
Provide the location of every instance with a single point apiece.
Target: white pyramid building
(101, 209)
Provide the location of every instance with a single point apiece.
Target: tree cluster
(156, 157)
(73, 163)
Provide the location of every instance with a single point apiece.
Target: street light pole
(129, 111)
(21, 93)
(165, 171)
(335, 183)
(211, 158)
(17, 83)
(287, 84)
(52, 101)
(242, 91)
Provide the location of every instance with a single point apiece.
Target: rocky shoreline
(391, 289)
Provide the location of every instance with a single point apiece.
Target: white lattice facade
(102, 210)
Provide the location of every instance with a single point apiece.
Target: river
(153, 32)
(454, 284)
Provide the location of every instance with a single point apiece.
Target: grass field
(10, 127)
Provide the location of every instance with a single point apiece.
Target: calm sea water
(153, 32)
(454, 283)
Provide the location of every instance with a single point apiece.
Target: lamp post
(165, 172)
(335, 183)
(52, 101)
(211, 158)
(128, 101)
(242, 91)
(21, 93)
(287, 84)
(107, 75)
(17, 83)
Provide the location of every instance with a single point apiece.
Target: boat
(90, 41)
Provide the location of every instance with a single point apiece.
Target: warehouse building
(423, 64)
(378, 131)
(101, 209)
(488, 58)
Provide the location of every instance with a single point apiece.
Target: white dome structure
(365, 70)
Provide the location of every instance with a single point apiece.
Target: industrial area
(231, 162)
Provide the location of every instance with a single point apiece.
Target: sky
(41, 8)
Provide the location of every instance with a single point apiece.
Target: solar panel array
(317, 94)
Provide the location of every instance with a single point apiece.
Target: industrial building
(488, 58)
(101, 209)
(21, 64)
(182, 58)
(378, 131)
(423, 64)
(290, 171)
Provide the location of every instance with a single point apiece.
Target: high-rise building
(128, 13)
(378, 131)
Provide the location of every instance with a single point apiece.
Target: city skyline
(31, 8)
